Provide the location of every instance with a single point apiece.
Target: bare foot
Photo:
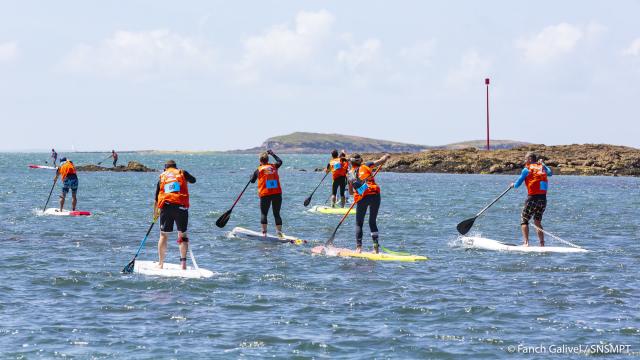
(160, 265)
(526, 244)
(358, 249)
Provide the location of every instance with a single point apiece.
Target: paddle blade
(223, 219)
(465, 226)
(307, 201)
(129, 268)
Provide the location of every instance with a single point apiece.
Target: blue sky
(219, 75)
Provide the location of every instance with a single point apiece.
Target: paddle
(129, 268)
(50, 192)
(105, 159)
(333, 236)
(466, 225)
(308, 200)
(224, 218)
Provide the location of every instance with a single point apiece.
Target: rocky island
(132, 166)
(588, 159)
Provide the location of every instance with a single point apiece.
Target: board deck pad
(322, 209)
(170, 270)
(57, 212)
(349, 253)
(242, 233)
(476, 242)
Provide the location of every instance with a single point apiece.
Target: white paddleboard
(170, 270)
(242, 233)
(32, 166)
(57, 212)
(474, 242)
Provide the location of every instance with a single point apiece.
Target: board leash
(557, 238)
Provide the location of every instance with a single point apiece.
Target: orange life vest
(338, 167)
(536, 180)
(173, 188)
(66, 169)
(369, 187)
(268, 180)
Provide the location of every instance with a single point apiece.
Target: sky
(221, 75)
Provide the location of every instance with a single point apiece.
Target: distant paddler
(269, 190)
(67, 171)
(338, 166)
(534, 175)
(366, 194)
(172, 204)
(54, 156)
(114, 155)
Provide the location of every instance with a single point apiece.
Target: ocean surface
(62, 294)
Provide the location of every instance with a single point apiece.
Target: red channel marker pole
(486, 81)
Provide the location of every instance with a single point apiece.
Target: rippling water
(62, 294)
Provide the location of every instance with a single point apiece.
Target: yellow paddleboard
(321, 209)
(341, 252)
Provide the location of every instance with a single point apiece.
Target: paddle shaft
(314, 190)
(145, 238)
(239, 196)
(105, 159)
(494, 201)
(50, 192)
(330, 241)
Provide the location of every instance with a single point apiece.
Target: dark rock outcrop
(588, 159)
(132, 166)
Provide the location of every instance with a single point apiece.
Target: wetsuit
(174, 213)
(370, 199)
(339, 175)
(270, 200)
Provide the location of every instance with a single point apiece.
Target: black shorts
(341, 183)
(534, 207)
(171, 213)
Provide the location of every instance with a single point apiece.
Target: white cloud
(472, 69)
(633, 49)
(8, 51)
(281, 47)
(421, 53)
(140, 52)
(361, 56)
(551, 42)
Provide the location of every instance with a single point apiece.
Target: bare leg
(162, 249)
(74, 201)
(184, 246)
(333, 201)
(343, 201)
(525, 234)
(539, 231)
(279, 230)
(62, 197)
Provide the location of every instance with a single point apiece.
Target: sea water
(62, 293)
